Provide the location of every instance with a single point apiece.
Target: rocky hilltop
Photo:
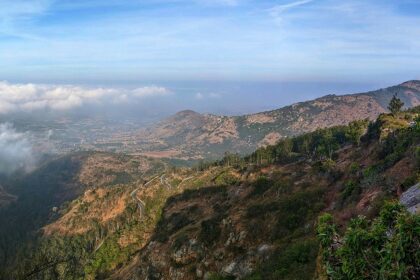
(191, 135)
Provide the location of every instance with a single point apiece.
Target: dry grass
(99, 207)
(162, 154)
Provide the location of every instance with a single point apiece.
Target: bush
(409, 182)
(296, 210)
(226, 179)
(385, 248)
(295, 260)
(259, 210)
(354, 168)
(351, 189)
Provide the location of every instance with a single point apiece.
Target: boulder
(411, 199)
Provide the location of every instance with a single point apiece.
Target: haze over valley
(187, 135)
(209, 139)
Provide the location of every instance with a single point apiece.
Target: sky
(222, 56)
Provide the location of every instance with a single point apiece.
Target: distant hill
(190, 135)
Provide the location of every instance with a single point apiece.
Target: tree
(395, 105)
(355, 130)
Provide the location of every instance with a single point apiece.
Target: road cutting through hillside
(140, 203)
(164, 182)
(184, 180)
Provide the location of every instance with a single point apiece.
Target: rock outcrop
(411, 199)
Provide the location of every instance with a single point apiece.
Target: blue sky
(342, 45)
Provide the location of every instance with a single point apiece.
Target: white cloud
(151, 91)
(213, 95)
(32, 97)
(15, 150)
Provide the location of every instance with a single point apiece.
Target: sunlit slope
(190, 135)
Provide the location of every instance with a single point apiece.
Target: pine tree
(395, 105)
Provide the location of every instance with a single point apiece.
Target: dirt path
(184, 180)
(164, 182)
(140, 203)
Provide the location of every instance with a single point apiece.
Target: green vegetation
(321, 144)
(351, 191)
(395, 105)
(295, 261)
(385, 248)
(225, 178)
(274, 196)
(318, 145)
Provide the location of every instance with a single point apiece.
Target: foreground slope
(262, 226)
(243, 218)
(192, 135)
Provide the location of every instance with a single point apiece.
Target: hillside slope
(40, 197)
(263, 225)
(253, 217)
(191, 135)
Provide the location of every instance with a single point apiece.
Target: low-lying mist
(16, 152)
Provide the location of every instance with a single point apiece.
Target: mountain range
(191, 135)
(312, 205)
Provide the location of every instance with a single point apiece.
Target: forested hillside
(252, 217)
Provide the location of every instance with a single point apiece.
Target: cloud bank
(15, 150)
(32, 97)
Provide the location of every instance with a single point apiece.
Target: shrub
(226, 179)
(295, 260)
(351, 189)
(258, 210)
(354, 168)
(409, 181)
(385, 248)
